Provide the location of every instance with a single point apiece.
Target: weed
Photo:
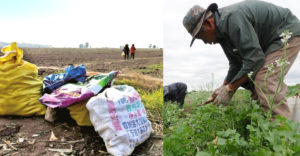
(281, 64)
(152, 68)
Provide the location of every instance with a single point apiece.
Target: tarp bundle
(74, 96)
(54, 81)
(20, 88)
(71, 93)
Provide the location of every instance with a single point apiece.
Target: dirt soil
(96, 60)
(31, 135)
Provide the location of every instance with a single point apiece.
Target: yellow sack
(20, 88)
(80, 113)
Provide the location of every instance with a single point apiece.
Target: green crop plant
(241, 128)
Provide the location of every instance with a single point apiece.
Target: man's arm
(234, 67)
(244, 38)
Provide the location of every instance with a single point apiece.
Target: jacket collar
(219, 35)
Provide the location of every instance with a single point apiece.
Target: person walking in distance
(132, 51)
(126, 51)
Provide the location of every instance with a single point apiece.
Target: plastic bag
(97, 83)
(66, 95)
(119, 117)
(20, 88)
(71, 93)
(123, 53)
(54, 81)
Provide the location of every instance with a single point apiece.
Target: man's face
(208, 32)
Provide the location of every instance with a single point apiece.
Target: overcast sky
(202, 64)
(67, 23)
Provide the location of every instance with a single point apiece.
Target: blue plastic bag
(54, 81)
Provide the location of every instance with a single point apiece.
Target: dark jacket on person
(250, 30)
(126, 49)
(175, 92)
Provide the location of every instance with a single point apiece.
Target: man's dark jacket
(250, 30)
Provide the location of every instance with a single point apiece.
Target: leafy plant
(238, 129)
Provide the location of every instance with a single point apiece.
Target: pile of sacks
(116, 112)
(72, 90)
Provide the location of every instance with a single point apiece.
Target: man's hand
(212, 96)
(215, 92)
(223, 95)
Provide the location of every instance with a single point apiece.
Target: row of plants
(242, 128)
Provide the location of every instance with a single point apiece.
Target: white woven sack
(294, 106)
(119, 117)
